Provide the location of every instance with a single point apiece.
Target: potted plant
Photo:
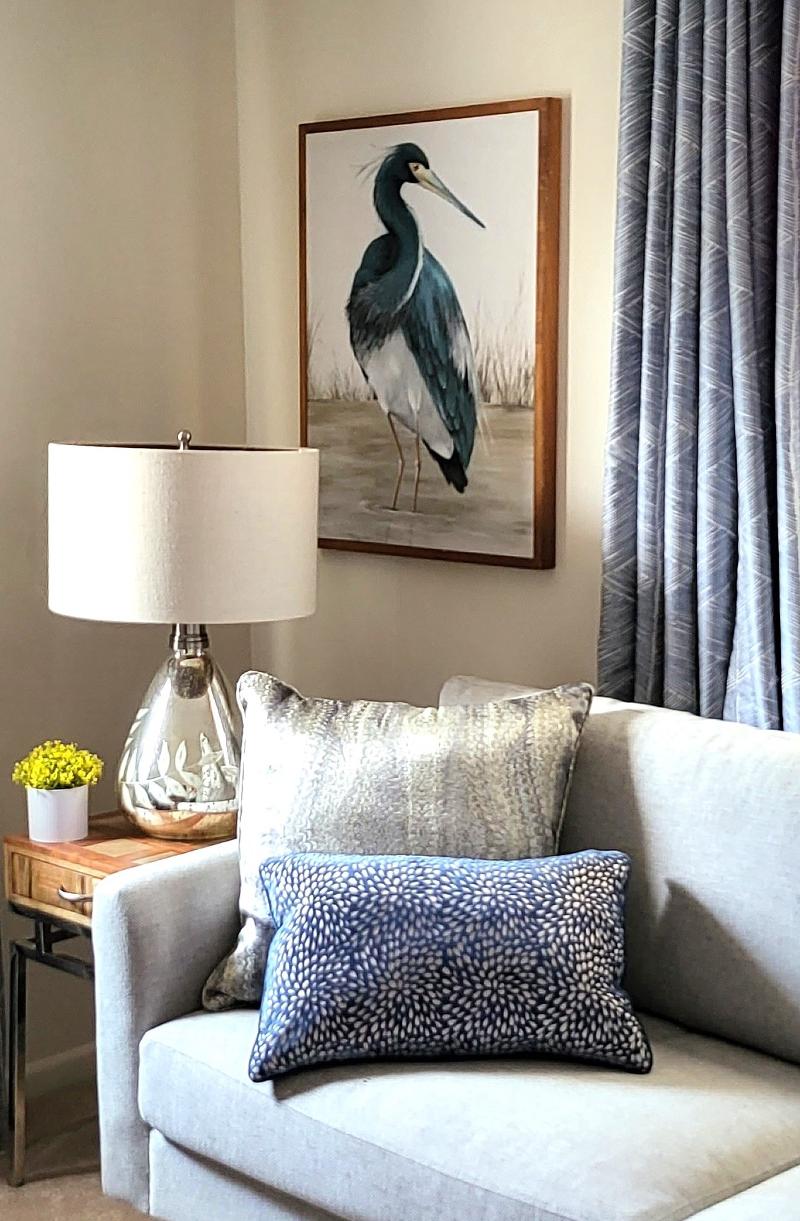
(57, 776)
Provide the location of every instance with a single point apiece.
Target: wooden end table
(52, 885)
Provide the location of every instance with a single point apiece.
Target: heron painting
(407, 329)
(429, 255)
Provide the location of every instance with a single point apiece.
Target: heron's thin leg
(417, 470)
(401, 462)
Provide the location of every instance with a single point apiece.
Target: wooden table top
(113, 843)
(36, 873)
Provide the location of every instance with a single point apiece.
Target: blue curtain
(701, 580)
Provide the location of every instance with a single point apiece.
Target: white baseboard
(63, 1069)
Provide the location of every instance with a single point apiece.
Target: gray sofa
(710, 814)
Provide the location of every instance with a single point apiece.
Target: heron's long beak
(432, 182)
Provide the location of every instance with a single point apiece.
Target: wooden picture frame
(428, 521)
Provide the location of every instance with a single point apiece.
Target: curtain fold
(701, 579)
(787, 366)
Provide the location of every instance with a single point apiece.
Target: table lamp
(185, 536)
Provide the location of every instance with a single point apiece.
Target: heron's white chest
(401, 391)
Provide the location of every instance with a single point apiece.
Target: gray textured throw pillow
(488, 781)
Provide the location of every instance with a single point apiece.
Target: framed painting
(429, 330)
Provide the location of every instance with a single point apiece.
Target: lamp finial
(184, 439)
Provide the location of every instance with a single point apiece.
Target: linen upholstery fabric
(709, 814)
(156, 932)
(777, 1199)
(431, 956)
(492, 1140)
(362, 777)
(687, 1131)
(179, 1180)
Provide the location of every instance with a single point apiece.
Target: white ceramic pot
(58, 815)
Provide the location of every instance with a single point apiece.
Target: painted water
(358, 466)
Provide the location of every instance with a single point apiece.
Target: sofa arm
(158, 930)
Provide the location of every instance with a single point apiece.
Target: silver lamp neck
(189, 639)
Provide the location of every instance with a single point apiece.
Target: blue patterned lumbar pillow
(432, 956)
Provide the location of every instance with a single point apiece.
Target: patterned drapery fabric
(701, 571)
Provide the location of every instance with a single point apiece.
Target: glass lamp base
(179, 769)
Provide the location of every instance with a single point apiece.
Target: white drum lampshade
(185, 536)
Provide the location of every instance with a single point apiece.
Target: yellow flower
(57, 765)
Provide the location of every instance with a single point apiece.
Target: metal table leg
(40, 948)
(4, 1090)
(17, 1111)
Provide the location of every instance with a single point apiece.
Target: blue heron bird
(407, 329)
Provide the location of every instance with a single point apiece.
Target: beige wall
(392, 627)
(120, 319)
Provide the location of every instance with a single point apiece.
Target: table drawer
(36, 883)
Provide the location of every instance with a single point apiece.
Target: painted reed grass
(504, 366)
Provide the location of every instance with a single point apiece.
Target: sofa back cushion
(709, 812)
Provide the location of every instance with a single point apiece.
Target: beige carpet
(62, 1180)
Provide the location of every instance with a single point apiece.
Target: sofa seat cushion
(776, 1199)
(499, 1140)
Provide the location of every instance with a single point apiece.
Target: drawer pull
(73, 896)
